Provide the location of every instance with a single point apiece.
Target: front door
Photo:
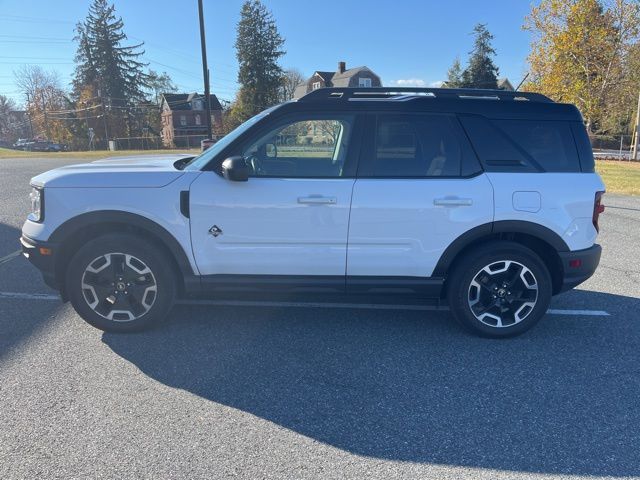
(291, 217)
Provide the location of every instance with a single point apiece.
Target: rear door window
(419, 146)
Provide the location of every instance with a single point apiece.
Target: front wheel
(499, 290)
(120, 283)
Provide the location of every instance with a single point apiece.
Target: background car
(42, 146)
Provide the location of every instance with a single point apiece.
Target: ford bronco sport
(484, 199)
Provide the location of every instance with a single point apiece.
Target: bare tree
(291, 79)
(7, 105)
(330, 129)
(32, 79)
(46, 102)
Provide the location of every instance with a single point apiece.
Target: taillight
(598, 208)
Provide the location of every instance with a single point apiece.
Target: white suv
(483, 199)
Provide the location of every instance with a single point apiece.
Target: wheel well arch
(543, 241)
(75, 232)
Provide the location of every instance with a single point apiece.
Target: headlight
(37, 204)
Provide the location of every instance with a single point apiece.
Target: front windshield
(197, 163)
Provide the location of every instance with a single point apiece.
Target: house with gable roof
(342, 77)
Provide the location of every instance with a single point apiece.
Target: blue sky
(405, 40)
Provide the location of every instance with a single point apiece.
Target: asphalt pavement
(283, 391)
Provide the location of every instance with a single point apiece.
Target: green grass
(620, 176)
(94, 155)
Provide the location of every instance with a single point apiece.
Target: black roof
(180, 101)
(489, 103)
(326, 76)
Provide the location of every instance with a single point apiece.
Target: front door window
(305, 148)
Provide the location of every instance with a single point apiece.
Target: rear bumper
(578, 266)
(42, 256)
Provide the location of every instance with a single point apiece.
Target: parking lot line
(594, 313)
(29, 296)
(250, 303)
(10, 257)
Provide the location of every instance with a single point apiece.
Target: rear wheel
(120, 283)
(499, 290)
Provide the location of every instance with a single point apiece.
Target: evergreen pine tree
(454, 75)
(111, 70)
(481, 72)
(258, 48)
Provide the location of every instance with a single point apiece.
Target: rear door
(419, 187)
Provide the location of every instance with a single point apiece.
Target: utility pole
(205, 73)
(635, 141)
(104, 120)
(29, 115)
(46, 120)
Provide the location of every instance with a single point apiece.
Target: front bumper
(578, 266)
(42, 255)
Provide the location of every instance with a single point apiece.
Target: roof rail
(410, 93)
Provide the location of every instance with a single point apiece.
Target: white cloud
(415, 82)
(409, 82)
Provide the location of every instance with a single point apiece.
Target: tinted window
(550, 144)
(583, 144)
(491, 145)
(416, 146)
(523, 145)
(314, 147)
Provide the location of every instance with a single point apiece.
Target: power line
(37, 42)
(39, 63)
(35, 58)
(22, 18)
(29, 37)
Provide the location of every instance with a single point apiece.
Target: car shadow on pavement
(412, 386)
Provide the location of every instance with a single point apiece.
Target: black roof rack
(411, 93)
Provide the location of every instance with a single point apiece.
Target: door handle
(453, 202)
(318, 200)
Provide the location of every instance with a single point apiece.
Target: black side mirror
(235, 169)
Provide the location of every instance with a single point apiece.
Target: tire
(120, 283)
(499, 290)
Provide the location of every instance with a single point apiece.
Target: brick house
(182, 117)
(353, 77)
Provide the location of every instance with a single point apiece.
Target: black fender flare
(487, 229)
(75, 224)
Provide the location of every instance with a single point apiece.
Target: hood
(121, 172)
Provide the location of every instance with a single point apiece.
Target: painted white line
(592, 313)
(29, 296)
(10, 257)
(250, 303)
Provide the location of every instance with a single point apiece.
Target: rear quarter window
(550, 144)
(523, 145)
(583, 144)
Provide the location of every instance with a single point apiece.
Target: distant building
(183, 118)
(505, 84)
(353, 77)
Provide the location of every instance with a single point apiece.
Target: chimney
(342, 66)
